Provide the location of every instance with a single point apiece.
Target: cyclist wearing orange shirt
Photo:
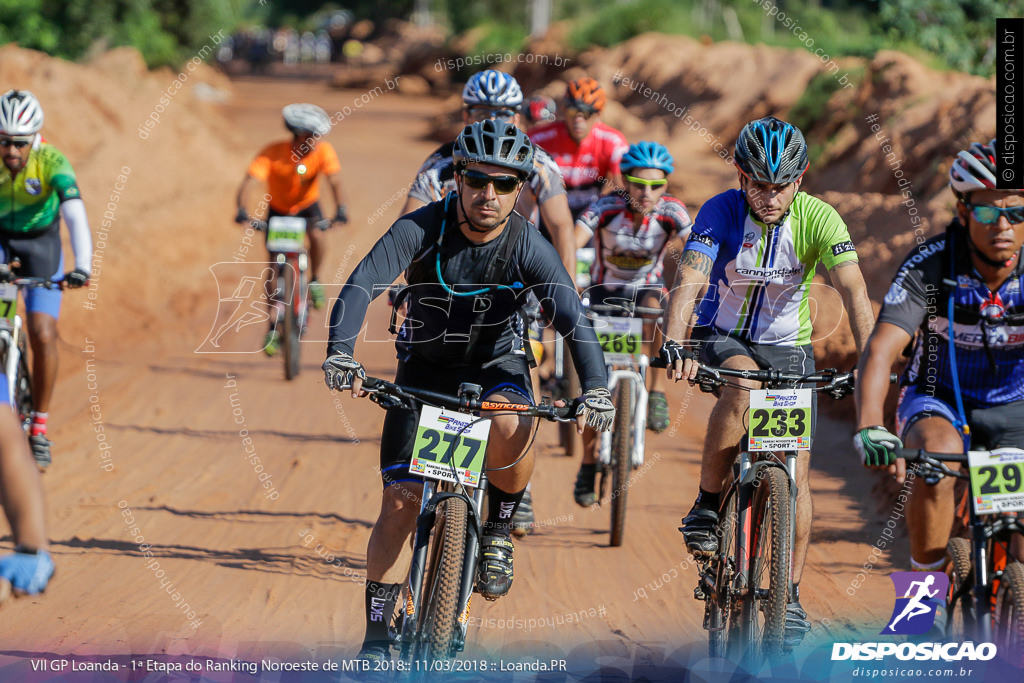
(291, 171)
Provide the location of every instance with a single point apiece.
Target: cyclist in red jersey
(586, 151)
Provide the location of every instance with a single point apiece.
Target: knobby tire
(441, 596)
(764, 619)
(622, 461)
(290, 336)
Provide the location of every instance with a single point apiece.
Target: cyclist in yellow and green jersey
(37, 188)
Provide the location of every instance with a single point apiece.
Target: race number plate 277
(621, 338)
(997, 480)
(8, 305)
(433, 456)
(780, 420)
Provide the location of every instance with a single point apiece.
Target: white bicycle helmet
(974, 169)
(492, 88)
(306, 118)
(20, 113)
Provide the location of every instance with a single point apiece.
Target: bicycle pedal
(699, 594)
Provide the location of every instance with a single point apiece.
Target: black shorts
(508, 374)
(716, 348)
(39, 252)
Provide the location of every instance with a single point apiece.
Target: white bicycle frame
(633, 380)
(12, 355)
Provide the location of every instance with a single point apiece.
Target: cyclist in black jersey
(462, 327)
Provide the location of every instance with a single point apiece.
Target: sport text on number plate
(780, 420)
(433, 452)
(997, 480)
(621, 338)
(8, 305)
(286, 233)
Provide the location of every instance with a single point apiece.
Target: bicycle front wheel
(764, 610)
(290, 334)
(622, 461)
(23, 400)
(441, 597)
(958, 552)
(1010, 613)
(718, 613)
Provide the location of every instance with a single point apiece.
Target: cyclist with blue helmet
(965, 286)
(632, 232)
(749, 263)
(495, 95)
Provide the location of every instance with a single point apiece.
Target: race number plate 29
(8, 305)
(433, 455)
(620, 338)
(780, 420)
(286, 234)
(997, 480)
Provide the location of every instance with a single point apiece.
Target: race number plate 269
(433, 454)
(780, 420)
(997, 480)
(621, 338)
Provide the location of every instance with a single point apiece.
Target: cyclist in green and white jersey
(750, 260)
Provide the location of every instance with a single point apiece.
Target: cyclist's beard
(490, 223)
(13, 163)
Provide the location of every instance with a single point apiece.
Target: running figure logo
(918, 596)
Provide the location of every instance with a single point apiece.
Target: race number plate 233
(620, 338)
(780, 420)
(997, 480)
(435, 457)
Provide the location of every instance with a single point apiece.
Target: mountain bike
(621, 450)
(986, 598)
(286, 242)
(450, 455)
(13, 342)
(746, 585)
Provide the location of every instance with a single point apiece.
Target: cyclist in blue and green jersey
(752, 254)
(37, 188)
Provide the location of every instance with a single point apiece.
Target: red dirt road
(239, 571)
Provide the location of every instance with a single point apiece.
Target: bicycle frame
(634, 380)
(982, 529)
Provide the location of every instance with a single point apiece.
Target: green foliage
(962, 32)
(166, 32)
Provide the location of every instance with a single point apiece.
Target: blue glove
(28, 573)
(876, 446)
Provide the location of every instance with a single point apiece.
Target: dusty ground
(245, 558)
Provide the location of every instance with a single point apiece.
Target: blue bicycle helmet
(492, 89)
(647, 155)
(771, 151)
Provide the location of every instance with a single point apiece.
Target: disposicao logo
(918, 596)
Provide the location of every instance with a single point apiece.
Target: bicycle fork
(632, 381)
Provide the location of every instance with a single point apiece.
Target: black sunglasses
(8, 142)
(503, 184)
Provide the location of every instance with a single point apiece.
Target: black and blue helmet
(647, 155)
(769, 150)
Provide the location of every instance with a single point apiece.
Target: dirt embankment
(148, 151)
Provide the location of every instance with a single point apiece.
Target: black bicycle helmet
(494, 142)
(771, 151)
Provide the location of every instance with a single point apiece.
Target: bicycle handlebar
(28, 282)
(623, 305)
(390, 395)
(261, 225)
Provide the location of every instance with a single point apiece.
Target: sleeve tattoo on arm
(698, 261)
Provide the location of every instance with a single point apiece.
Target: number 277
(434, 438)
